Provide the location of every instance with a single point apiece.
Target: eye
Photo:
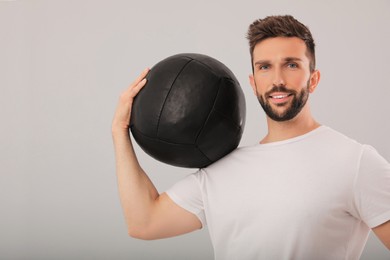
(263, 67)
(292, 65)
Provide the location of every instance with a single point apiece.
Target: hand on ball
(121, 120)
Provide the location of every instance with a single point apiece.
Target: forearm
(137, 192)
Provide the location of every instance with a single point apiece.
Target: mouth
(279, 97)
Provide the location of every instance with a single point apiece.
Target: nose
(278, 79)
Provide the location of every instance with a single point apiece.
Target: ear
(253, 84)
(314, 80)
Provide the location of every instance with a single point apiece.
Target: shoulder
(372, 160)
(330, 133)
(234, 161)
(338, 141)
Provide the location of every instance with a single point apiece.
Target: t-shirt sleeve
(187, 194)
(372, 188)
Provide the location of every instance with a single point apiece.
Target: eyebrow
(292, 59)
(287, 59)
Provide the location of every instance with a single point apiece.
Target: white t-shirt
(315, 196)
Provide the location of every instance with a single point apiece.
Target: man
(304, 192)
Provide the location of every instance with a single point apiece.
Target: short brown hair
(281, 26)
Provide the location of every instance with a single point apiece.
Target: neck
(301, 124)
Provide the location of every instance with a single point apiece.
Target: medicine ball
(190, 113)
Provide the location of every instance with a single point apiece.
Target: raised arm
(148, 215)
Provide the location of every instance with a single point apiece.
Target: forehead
(279, 48)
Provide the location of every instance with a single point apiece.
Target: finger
(138, 87)
(140, 77)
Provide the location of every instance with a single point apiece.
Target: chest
(285, 187)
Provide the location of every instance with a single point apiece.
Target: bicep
(169, 219)
(383, 233)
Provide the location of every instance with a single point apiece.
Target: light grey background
(63, 65)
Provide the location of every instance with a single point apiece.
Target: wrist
(118, 131)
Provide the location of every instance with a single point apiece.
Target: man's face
(281, 78)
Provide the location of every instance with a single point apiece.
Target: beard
(298, 102)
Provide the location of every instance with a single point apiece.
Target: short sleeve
(372, 188)
(187, 194)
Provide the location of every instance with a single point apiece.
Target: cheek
(297, 79)
(262, 83)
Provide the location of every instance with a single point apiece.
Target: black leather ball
(190, 113)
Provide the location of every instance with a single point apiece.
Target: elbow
(136, 233)
(140, 233)
(140, 227)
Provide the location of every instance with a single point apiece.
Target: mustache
(280, 89)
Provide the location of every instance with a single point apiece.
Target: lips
(279, 97)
